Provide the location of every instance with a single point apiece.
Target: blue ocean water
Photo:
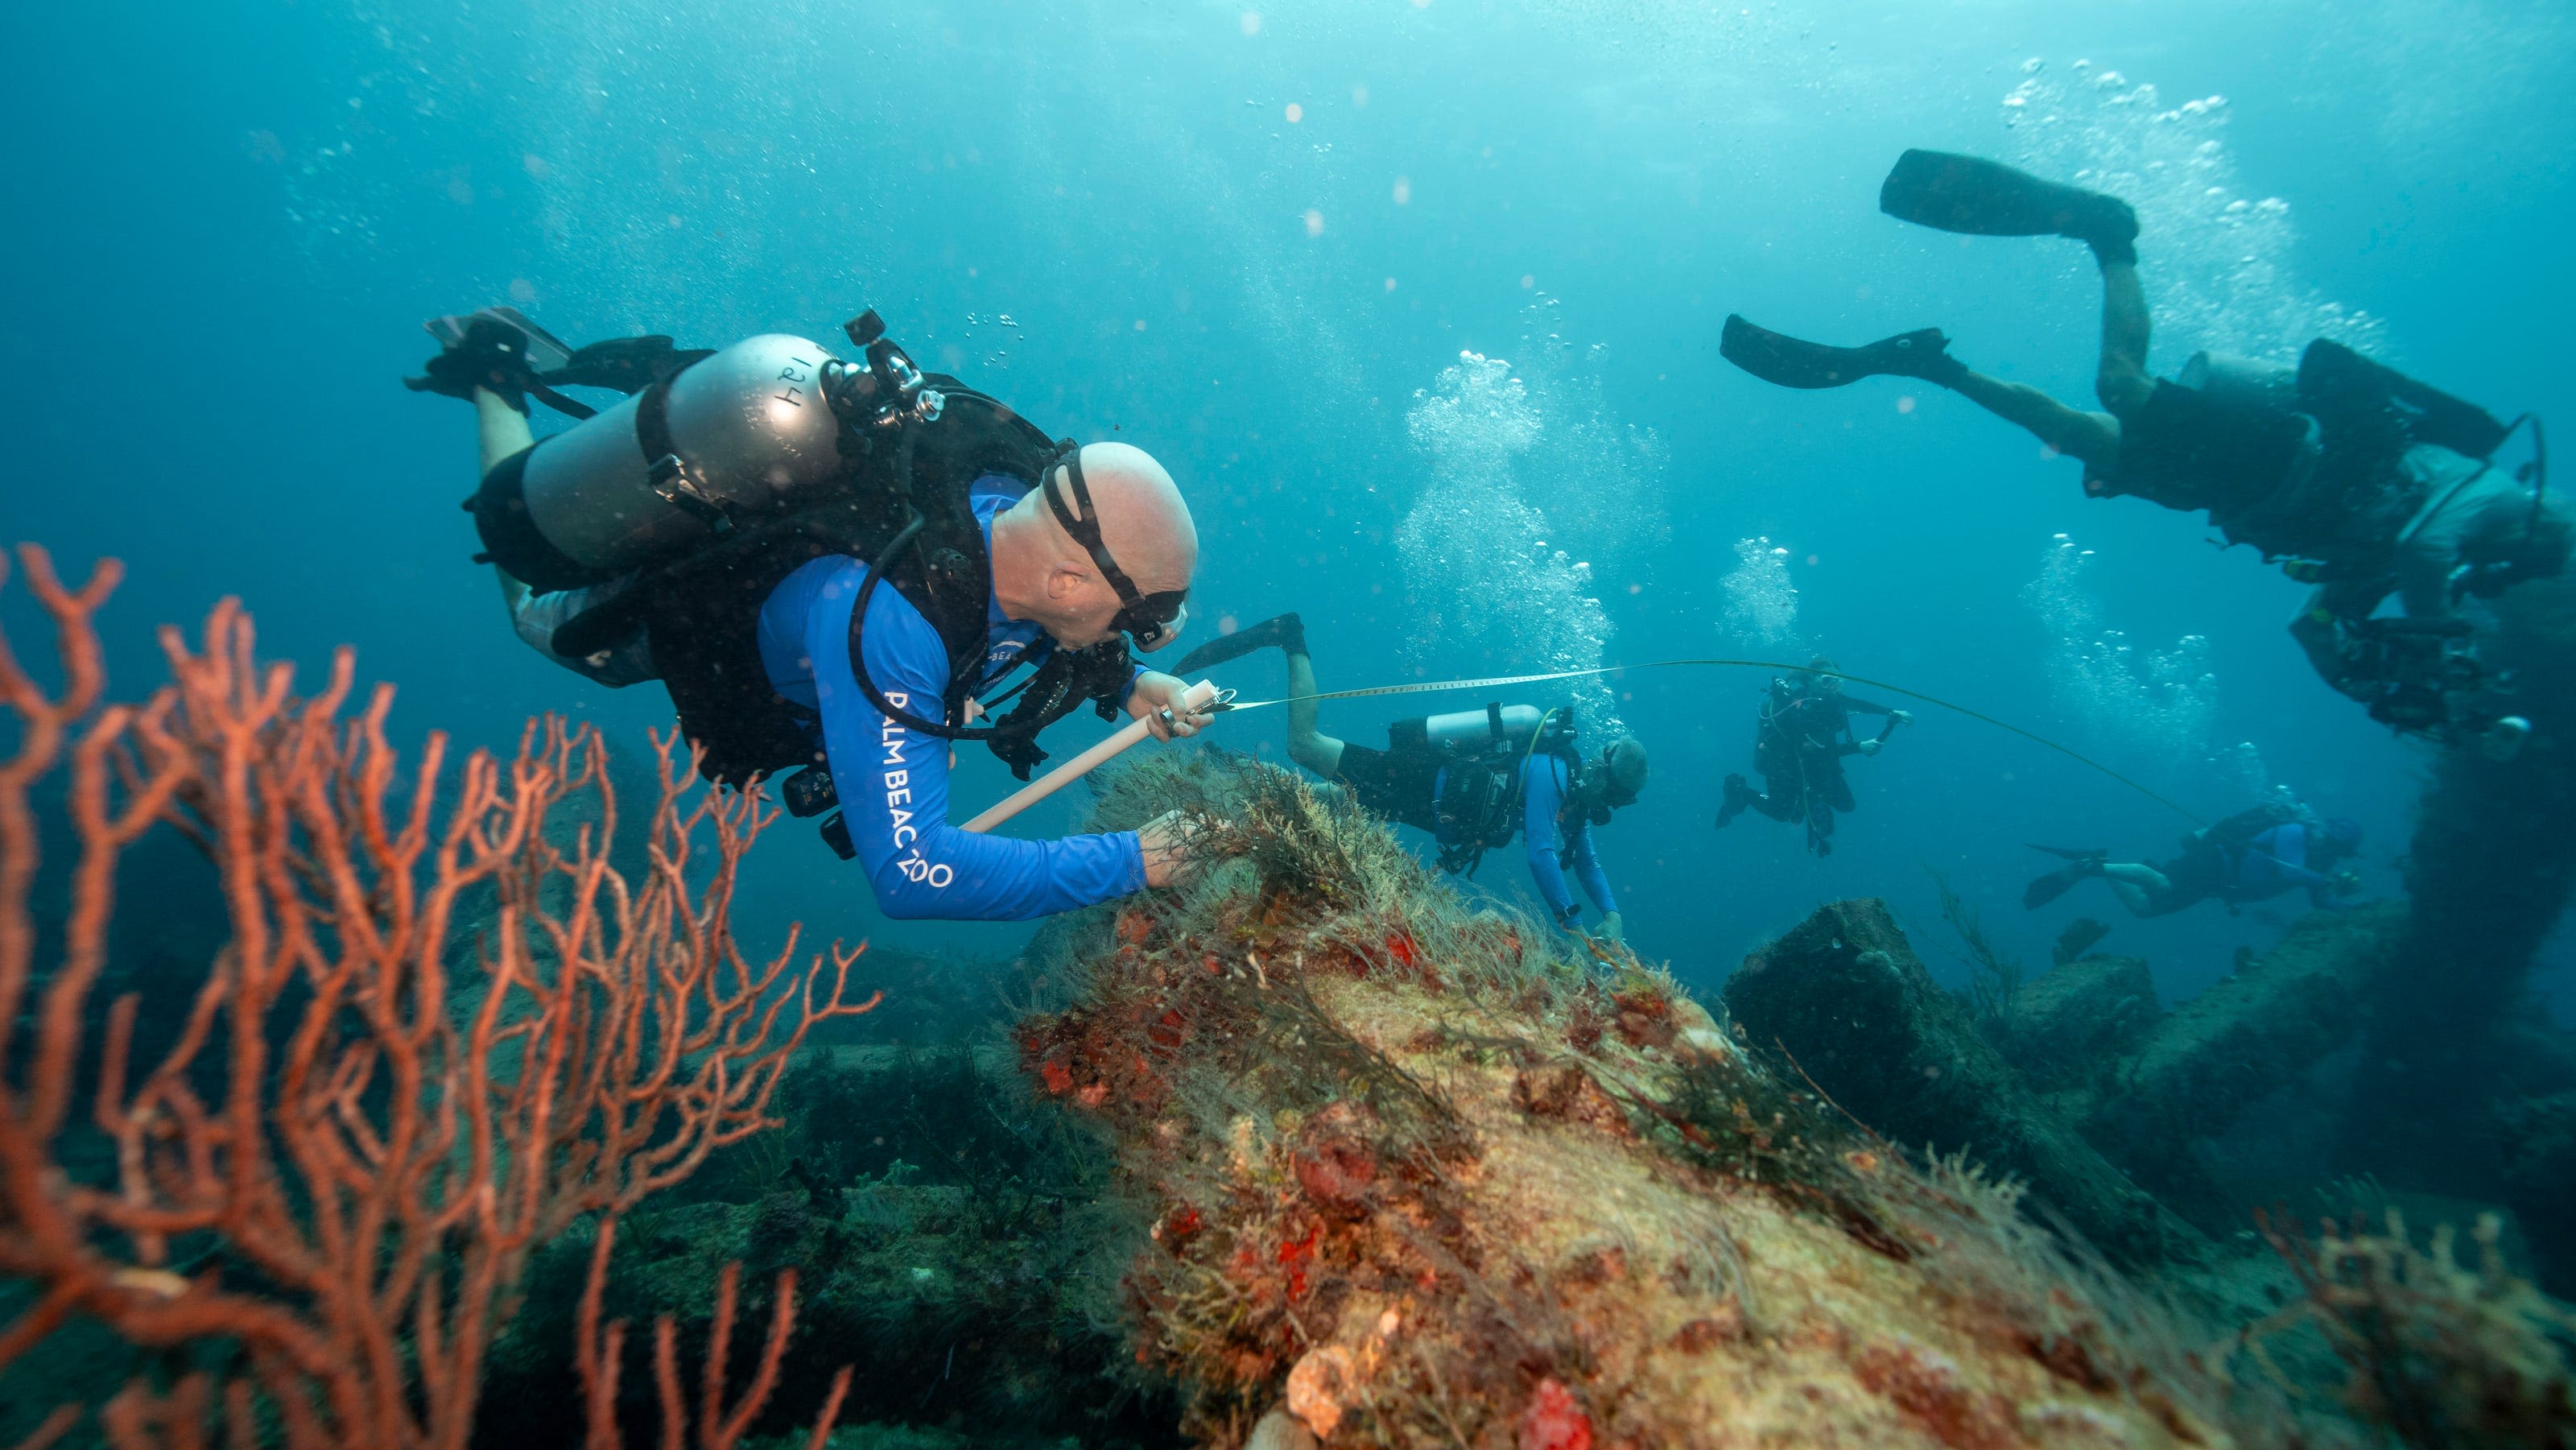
(1420, 303)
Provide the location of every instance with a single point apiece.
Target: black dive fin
(1984, 198)
(2055, 884)
(628, 364)
(2070, 853)
(1794, 363)
(1284, 630)
(539, 350)
(496, 348)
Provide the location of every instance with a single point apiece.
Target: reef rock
(1412, 1176)
(2235, 1043)
(2078, 1017)
(1846, 998)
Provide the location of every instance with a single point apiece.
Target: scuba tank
(747, 430)
(1463, 733)
(2242, 382)
(763, 427)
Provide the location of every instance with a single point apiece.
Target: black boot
(1286, 631)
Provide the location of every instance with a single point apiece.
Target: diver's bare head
(1043, 574)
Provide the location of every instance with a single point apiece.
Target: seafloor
(1311, 1150)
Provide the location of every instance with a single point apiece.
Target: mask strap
(1086, 529)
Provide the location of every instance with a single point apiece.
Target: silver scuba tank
(2242, 381)
(1468, 732)
(749, 427)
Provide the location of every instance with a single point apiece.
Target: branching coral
(343, 1164)
(2445, 1355)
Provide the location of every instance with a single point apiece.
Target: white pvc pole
(1083, 764)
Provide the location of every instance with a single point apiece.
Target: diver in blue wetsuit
(920, 865)
(1472, 778)
(831, 568)
(2251, 856)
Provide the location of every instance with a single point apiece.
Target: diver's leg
(2140, 887)
(2123, 382)
(1838, 793)
(1307, 745)
(503, 430)
(1820, 822)
(2091, 437)
(1780, 800)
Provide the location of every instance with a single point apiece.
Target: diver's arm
(893, 785)
(1541, 797)
(1587, 870)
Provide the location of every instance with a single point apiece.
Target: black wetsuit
(1799, 745)
(2251, 856)
(2325, 485)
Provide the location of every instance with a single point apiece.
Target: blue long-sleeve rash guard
(1544, 779)
(893, 782)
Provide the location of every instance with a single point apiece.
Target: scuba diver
(2363, 481)
(831, 566)
(1799, 741)
(1472, 778)
(2253, 855)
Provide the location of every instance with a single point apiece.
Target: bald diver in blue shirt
(771, 661)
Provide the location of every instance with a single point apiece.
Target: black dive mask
(1146, 617)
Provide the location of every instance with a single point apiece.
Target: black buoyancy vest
(1481, 798)
(701, 613)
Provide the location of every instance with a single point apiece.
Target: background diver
(1472, 778)
(2366, 481)
(2253, 855)
(738, 530)
(1800, 737)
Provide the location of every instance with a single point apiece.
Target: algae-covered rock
(1416, 1177)
(2065, 1026)
(2229, 1047)
(1846, 998)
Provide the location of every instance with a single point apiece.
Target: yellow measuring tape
(1489, 682)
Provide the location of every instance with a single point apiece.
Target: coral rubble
(1416, 1177)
